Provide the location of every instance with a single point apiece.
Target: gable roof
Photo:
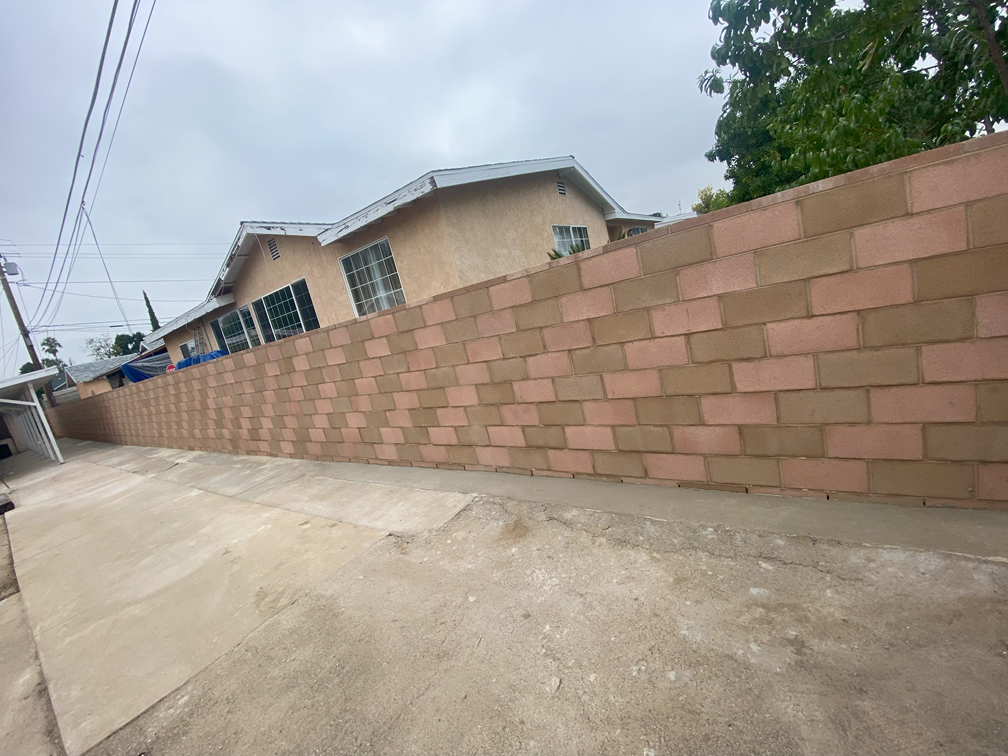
(155, 339)
(566, 167)
(88, 371)
(248, 237)
(249, 231)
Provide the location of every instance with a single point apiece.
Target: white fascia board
(246, 237)
(632, 217)
(674, 219)
(11, 387)
(477, 173)
(151, 344)
(189, 316)
(388, 204)
(565, 166)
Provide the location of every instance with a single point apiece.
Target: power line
(94, 158)
(122, 299)
(121, 256)
(122, 105)
(126, 244)
(80, 148)
(137, 281)
(107, 274)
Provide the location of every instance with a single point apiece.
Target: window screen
(570, 238)
(372, 278)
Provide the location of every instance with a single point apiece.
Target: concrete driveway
(184, 602)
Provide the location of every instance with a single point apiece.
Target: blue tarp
(198, 359)
(146, 367)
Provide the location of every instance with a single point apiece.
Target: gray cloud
(309, 110)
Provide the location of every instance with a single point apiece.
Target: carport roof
(13, 388)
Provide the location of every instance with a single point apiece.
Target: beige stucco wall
(453, 238)
(174, 340)
(419, 245)
(499, 227)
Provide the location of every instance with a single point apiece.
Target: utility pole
(25, 334)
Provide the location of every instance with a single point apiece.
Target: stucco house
(448, 229)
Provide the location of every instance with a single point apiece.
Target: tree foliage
(100, 347)
(51, 347)
(150, 313)
(127, 343)
(105, 347)
(708, 200)
(47, 362)
(815, 89)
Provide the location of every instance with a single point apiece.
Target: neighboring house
(98, 377)
(447, 229)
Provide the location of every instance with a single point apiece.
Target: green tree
(150, 313)
(100, 347)
(709, 200)
(815, 90)
(127, 343)
(51, 347)
(47, 362)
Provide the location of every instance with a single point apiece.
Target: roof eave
(197, 312)
(248, 234)
(566, 166)
(386, 205)
(632, 217)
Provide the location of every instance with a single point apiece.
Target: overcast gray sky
(309, 110)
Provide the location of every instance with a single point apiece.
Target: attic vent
(561, 188)
(274, 249)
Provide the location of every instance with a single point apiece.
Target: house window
(567, 239)
(372, 278)
(286, 312)
(634, 230)
(235, 331)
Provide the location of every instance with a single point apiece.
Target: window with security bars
(372, 278)
(569, 239)
(286, 312)
(235, 331)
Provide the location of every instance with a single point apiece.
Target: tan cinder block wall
(845, 339)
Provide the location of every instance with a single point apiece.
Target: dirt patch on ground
(8, 580)
(522, 628)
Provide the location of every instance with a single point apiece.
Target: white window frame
(346, 281)
(297, 307)
(570, 230)
(241, 321)
(634, 230)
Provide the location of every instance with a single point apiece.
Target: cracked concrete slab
(27, 723)
(529, 628)
(133, 584)
(588, 617)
